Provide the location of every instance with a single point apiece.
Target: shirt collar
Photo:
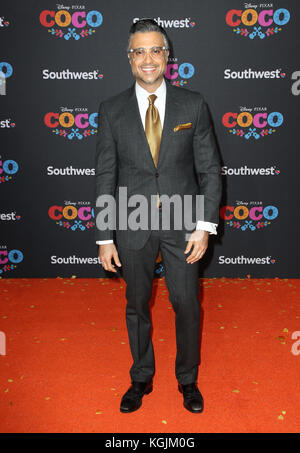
(142, 93)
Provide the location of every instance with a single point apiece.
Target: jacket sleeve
(105, 178)
(207, 164)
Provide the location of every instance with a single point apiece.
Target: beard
(147, 79)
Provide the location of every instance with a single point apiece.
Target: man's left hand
(199, 241)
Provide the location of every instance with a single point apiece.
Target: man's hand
(106, 253)
(199, 242)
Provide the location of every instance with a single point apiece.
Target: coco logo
(72, 123)
(175, 71)
(73, 216)
(6, 69)
(74, 24)
(9, 259)
(250, 216)
(252, 122)
(252, 24)
(8, 168)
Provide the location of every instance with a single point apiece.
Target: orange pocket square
(182, 126)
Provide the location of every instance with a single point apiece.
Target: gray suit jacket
(188, 161)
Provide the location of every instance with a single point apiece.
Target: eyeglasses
(139, 54)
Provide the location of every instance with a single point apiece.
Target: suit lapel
(171, 113)
(136, 126)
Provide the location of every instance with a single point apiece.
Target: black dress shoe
(132, 399)
(192, 398)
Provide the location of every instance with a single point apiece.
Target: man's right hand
(106, 253)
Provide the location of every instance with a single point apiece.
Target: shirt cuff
(108, 241)
(207, 226)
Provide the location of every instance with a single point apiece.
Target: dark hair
(146, 25)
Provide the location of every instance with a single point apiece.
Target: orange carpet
(67, 358)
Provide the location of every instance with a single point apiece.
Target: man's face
(148, 72)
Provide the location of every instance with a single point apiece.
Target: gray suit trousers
(182, 283)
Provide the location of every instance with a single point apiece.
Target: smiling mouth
(148, 69)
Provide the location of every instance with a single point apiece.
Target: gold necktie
(153, 128)
(153, 132)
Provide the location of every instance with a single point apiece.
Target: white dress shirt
(143, 103)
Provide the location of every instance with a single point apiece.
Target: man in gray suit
(156, 141)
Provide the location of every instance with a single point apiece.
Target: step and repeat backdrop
(59, 61)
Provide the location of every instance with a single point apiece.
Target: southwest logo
(9, 216)
(257, 24)
(249, 73)
(250, 171)
(7, 124)
(3, 22)
(66, 74)
(172, 23)
(246, 260)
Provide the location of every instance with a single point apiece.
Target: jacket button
(157, 174)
